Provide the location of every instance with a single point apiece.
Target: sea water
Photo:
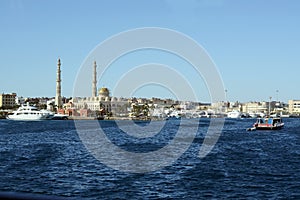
(49, 158)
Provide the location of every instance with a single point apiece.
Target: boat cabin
(268, 123)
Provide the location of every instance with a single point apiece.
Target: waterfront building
(50, 104)
(255, 107)
(294, 106)
(220, 106)
(7, 100)
(204, 106)
(20, 100)
(188, 105)
(103, 103)
(97, 103)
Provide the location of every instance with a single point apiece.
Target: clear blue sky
(255, 44)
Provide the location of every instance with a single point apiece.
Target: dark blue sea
(49, 159)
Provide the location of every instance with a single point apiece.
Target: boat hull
(59, 117)
(268, 128)
(26, 118)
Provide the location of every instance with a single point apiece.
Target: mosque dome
(104, 92)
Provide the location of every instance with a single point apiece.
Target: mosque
(102, 103)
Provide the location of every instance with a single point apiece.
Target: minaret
(94, 89)
(58, 101)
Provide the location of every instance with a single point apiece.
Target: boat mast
(270, 106)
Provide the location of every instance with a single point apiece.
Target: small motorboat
(267, 124)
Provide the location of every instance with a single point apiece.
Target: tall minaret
(58, 101)
(94, 90)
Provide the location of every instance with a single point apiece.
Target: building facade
(294, 106)
(255, 107)
(102, 103)
(7, 100)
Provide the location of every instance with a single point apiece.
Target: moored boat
(30, 113)
(59, 117)
(234, 114)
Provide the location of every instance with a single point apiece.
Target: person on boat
(270, 121)
(266, 120)
(259, 121)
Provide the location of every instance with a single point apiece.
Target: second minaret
(58, 100)
(94, 89)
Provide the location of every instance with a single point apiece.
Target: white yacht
(30, 113)
(234, 114)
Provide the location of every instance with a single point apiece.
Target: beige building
(102, 102)
(255, 107)
(294, 106)
(7, 100)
